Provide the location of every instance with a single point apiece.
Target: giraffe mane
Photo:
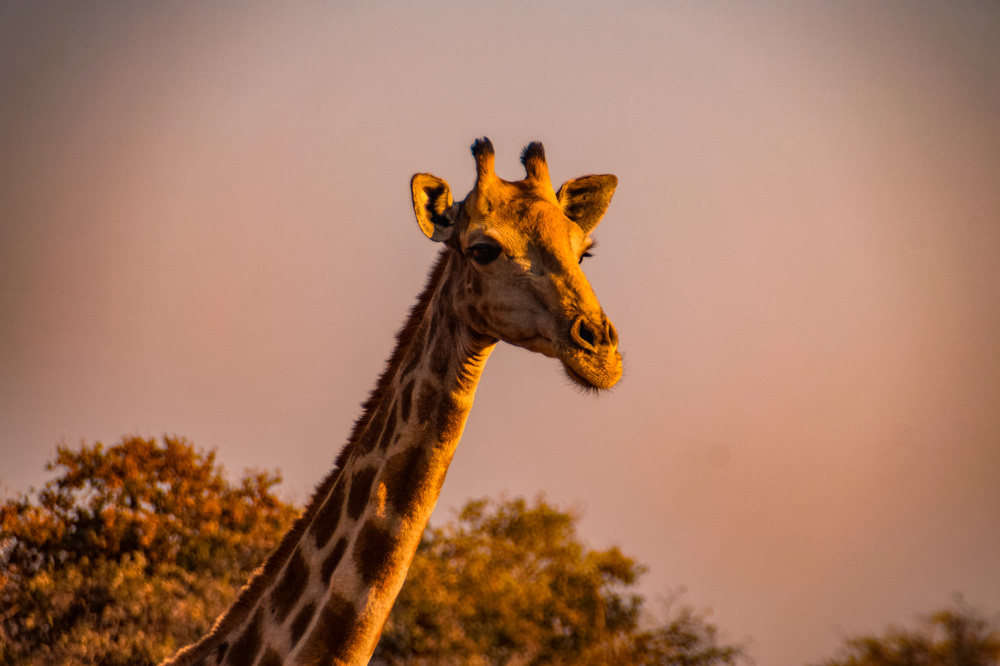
(404, 336)
(259, 581)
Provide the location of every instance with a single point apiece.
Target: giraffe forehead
(521, 205)
(524, 225)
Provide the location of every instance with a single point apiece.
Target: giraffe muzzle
(590, 336)
(592, 360)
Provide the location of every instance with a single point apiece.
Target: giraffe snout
(590, 335)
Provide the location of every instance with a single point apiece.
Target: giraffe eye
(484, 253)
(584, 256)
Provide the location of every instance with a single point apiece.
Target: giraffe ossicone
(509, 271)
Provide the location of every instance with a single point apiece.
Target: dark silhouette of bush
(957, 636)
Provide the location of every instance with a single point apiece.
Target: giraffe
(509, 270)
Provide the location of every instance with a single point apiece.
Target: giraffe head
(520, 246)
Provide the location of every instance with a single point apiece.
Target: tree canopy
(957, 636)
(134, 549)
(508, 582)
(129, 553)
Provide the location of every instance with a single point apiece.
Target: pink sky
(205, 229)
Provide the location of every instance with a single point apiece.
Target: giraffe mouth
(577, 378)
(593, 371)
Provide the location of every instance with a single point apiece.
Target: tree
(132, 551)
(509, 583)
(129, 553)
(957, 636)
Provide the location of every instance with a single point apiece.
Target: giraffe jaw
(593, 371)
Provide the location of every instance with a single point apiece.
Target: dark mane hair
(262, 578)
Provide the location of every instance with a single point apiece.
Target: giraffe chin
(593, 374)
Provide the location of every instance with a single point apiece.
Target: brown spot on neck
(373, 551)
(427, 401)
(301, 623)
(404, 477)
(389, 430)
(406, 400)
(271, 658)
(361, 489)
(247, 646)
(328, 516)
(332, 560)
(330, 639)
(290, 586)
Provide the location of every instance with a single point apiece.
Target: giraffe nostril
(583, 335)
(611, 335)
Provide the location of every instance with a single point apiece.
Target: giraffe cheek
(477, 320)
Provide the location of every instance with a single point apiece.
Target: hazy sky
(206, 230)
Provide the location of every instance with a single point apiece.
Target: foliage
(508, 583)
(131, 552)
(957, 636)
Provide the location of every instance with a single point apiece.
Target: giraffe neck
(324, 595)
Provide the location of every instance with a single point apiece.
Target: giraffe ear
(432, 206)
(584, 200)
